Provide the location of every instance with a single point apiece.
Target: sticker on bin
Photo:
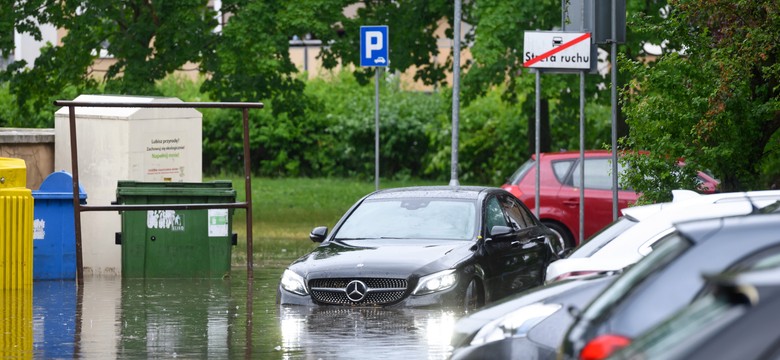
(164, 219)
(218, 222)
(39, 229)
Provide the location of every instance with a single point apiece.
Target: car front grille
(378, 291)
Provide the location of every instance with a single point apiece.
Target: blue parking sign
(374, 46)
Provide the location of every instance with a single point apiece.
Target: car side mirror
(497, 230)
(318, 234)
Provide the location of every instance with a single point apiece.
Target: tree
(717, 104)
(497, 52)
(149, 40)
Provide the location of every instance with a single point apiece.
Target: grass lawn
(285, 210)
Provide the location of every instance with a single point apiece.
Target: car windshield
(771, 208)
(419, 218)
(603, 237)
(666, 250)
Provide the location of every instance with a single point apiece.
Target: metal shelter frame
(78, 208)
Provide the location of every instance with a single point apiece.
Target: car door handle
(539, 238)
(571, 202)
(516, 244)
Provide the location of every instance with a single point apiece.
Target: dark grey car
(735, 319)
(668, 279)
(528, 326)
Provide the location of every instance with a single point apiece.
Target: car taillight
(603, 346)
(513, 189)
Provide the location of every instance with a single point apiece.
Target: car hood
(381, 257)
(584, 265)
(566, 292)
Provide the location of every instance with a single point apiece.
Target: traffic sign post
(375, 51)
(570, 51)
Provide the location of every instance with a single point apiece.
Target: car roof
(702, 207)
(444, 191)
(641, 212)
(733, 226)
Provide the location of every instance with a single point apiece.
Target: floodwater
(111, 317)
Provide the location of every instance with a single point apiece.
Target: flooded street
(110, 317)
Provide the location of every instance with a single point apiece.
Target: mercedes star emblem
(356, 290)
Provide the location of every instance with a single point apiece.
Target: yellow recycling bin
(16, 226)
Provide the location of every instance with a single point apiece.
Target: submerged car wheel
(564, 235)
(473, 300)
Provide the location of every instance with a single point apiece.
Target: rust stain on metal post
(76, 199)
(248, 197)
(78, 208)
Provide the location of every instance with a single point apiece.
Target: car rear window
(521, 171)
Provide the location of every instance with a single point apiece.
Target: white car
(652, 223)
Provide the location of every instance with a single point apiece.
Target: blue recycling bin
(54, 228)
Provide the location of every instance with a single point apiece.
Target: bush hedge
(334, 136)
(330, 132)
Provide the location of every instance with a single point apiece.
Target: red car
(559, 193)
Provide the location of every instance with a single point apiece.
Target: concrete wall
(35, 147)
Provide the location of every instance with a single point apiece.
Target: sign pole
(582, 157)
(376, 128)
(537, 137)
(614, 115)
(375, 51)
(455, 94)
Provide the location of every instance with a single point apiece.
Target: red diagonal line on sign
(556, 50)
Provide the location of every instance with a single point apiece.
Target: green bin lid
(217, 188)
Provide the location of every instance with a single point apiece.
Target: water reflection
(356, 333)
(110, 317)
(16, 330)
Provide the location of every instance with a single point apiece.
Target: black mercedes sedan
(442, 246)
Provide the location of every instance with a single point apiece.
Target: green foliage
(403, 118)
(412, 37)
(717, 106)
(29, 115)
(498, 43)
(492, 141)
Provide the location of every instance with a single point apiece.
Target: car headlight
(293, 283)
(514, 324)
(439, 281)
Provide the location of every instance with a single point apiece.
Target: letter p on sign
(374, 49)
(373, 42)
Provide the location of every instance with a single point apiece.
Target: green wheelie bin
(176, 243)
